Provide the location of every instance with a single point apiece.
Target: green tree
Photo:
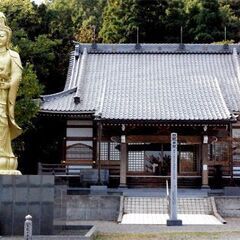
(205, 22)
(87, 32)
(26, 107)
(92, 18)
(61, 14)
(231, 14)
(68, 16)
(151, 18)
(119, 21)
(174, 19)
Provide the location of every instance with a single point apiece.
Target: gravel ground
(114, 231)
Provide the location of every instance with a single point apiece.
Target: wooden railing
(57, 169)
(85, 175)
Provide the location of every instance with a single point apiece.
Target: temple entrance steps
(145, 205)
(156, 209)
(160, 205)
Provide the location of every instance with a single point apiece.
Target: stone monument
(173, 221)
(10, 76)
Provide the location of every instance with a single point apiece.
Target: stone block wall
(93, 207)
(228, 206)
(23, 195)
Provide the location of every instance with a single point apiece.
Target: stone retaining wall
(228, 206)
(23, 195)
(92, 207)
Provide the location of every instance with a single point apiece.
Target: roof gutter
(80, 75)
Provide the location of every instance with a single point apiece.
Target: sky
(37, 1)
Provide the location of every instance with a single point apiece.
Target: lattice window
(136, 161)
(220, 151)
(114, 153)
(79, 152)
(104, 151)
(109, 151)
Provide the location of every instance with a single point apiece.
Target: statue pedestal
(10, 172)
(21, 195)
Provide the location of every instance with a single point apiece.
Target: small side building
(122, 101)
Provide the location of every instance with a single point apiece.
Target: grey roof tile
(202, 86)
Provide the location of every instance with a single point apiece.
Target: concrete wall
(228, 206)
(93, 207)
(60, 202)
(23, 195)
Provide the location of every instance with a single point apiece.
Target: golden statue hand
(4, 85)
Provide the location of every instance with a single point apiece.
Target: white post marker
(173, 221)
(28, 228)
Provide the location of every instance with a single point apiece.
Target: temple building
(121, 102)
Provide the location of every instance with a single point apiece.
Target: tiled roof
(190, 84)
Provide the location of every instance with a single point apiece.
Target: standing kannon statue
(10, 76)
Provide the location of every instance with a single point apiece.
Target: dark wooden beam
(163, 139)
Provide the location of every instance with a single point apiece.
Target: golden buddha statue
(10, 76)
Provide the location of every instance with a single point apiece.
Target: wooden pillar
(95, 145)
(231, 155)
(64, 150)
(99, 152)
(123, 162)
(205, 165)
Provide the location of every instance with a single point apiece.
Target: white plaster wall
(79, 132)
(236, 132)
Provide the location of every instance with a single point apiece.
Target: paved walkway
(187, 219)
(113, 227)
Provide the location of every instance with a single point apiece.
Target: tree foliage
(26, 107)
(209, 22)
(119, 21)
(151, 17)
(161, 20)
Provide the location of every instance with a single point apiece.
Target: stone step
(216, 192)
(159, 205)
